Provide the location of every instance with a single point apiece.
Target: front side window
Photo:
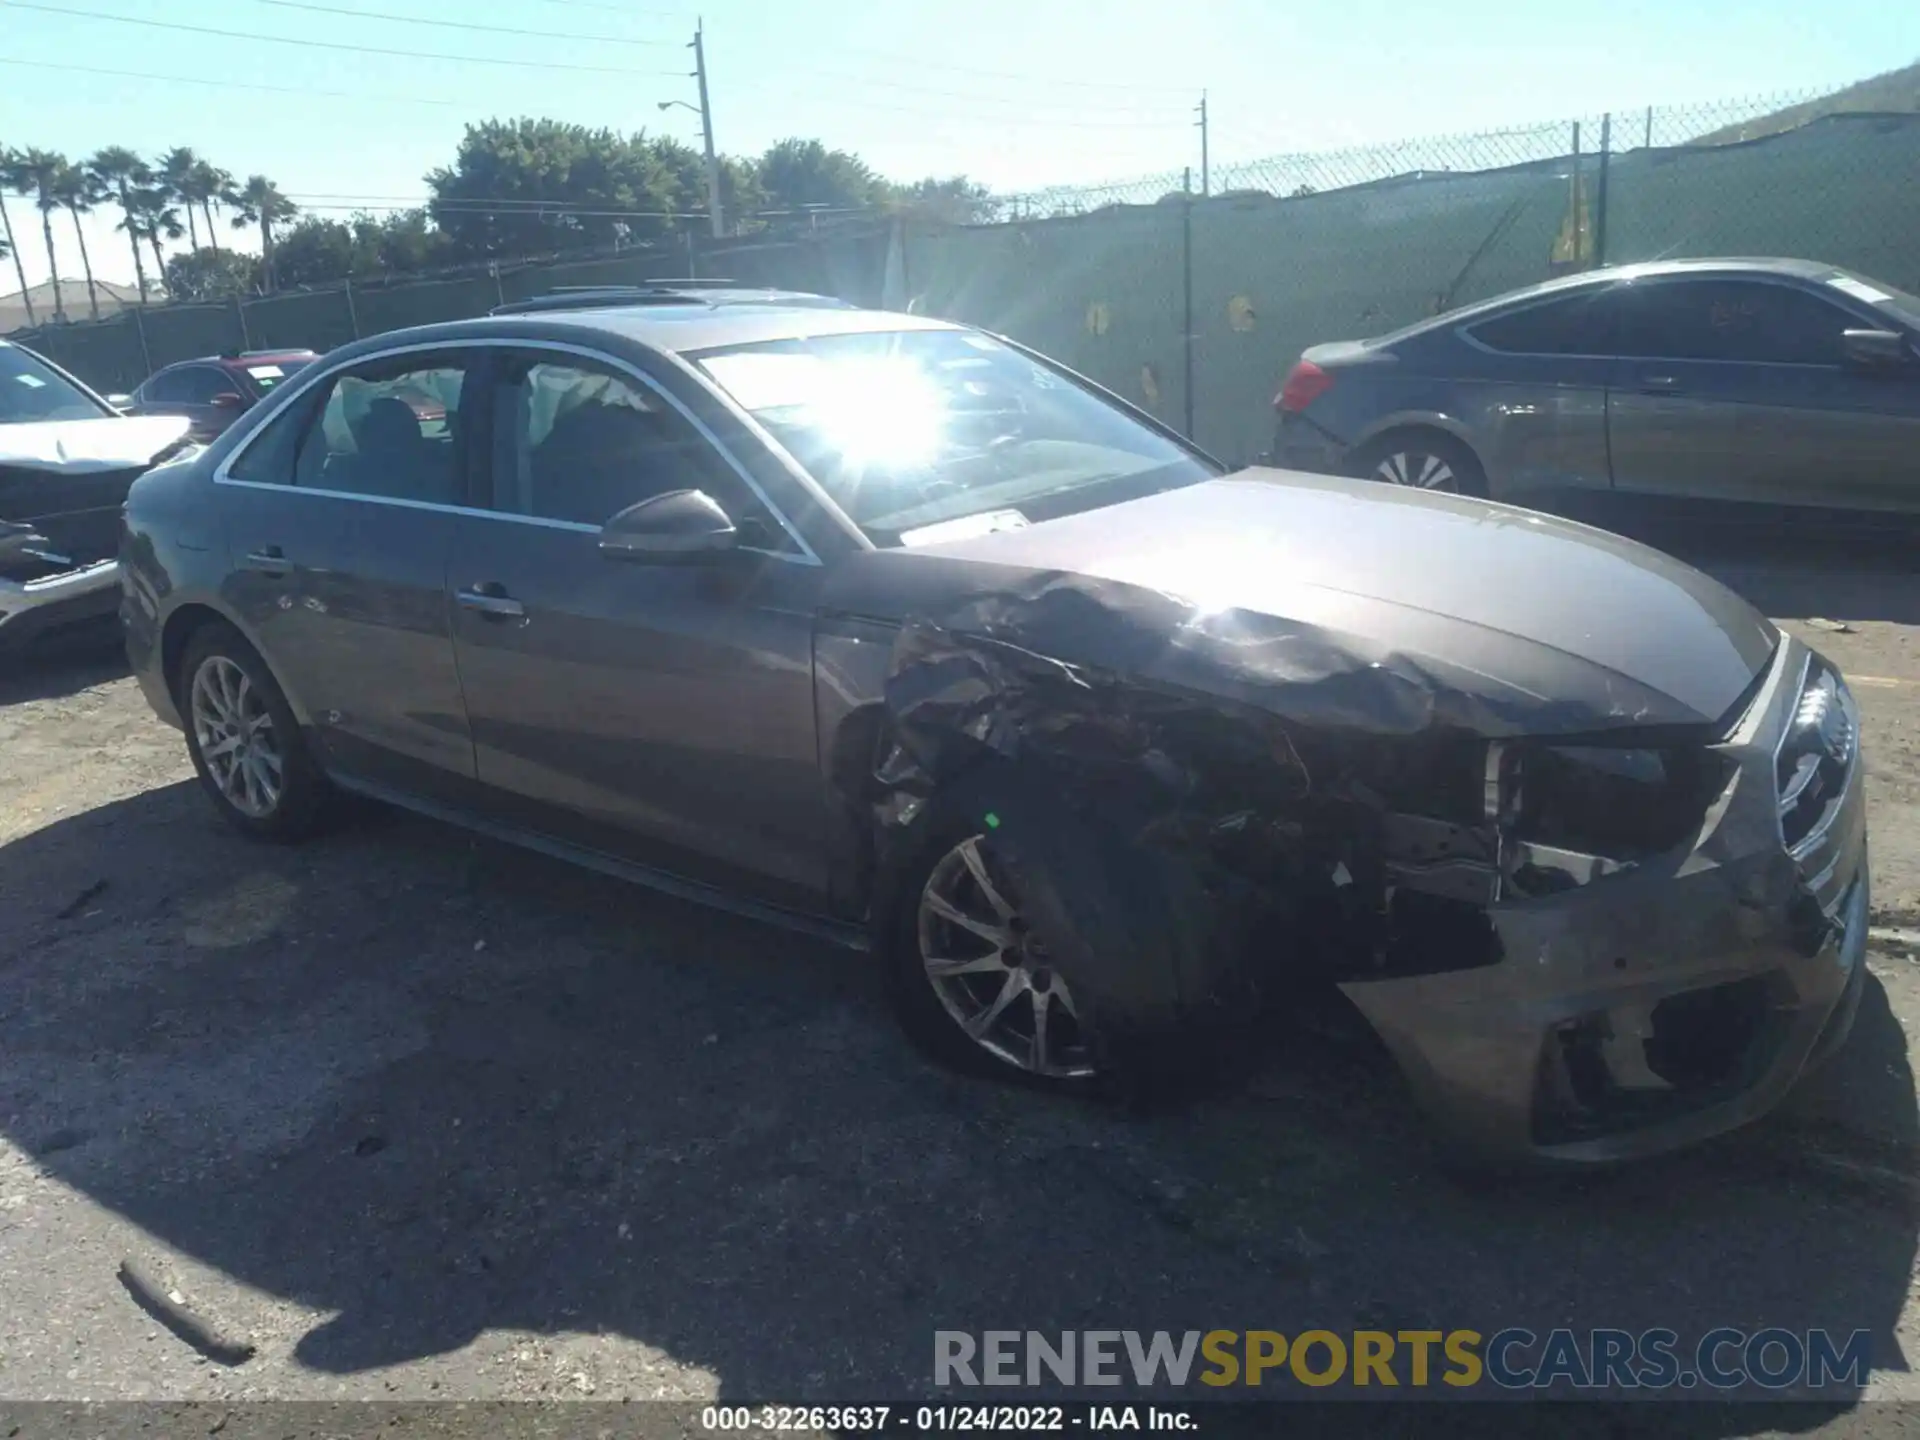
(31, 390)
(388, 428)
(578, 442)
(920, 434)
(1732, 320)
(199, 385)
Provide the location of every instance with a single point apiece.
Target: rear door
(1537, 395)
(663, 713)
(338, 514)
(1737, 388)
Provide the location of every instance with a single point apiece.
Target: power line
(1049, 80)
(226, 84)
(972, 96)
(1025, 121)
(321, 44)
(618, 9)
(461, 24)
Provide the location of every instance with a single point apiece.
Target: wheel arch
(190, 617)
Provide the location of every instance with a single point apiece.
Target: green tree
(314, 251)
(10, 180)
(953, 201)
(79, 191)
(178, 170)
(403, 242)
(38, 174)
(120, 172)
(212, 274)
(798, 175)
(259, 202)
(527, 186)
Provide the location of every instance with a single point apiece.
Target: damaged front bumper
(1651, 1008)
(28, 607)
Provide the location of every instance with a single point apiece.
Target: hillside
(1897, 90)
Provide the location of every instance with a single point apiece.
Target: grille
(1815, 757)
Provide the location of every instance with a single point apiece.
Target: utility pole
(706, 126)
(1206, 186)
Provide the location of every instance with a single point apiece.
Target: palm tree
(41, 170)
(259, 202)
(179, 168)
(10, 179)
(78, 190)
(119, 170)
(157, 219)
(210, 185)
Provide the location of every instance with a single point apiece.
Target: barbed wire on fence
(1313, 172)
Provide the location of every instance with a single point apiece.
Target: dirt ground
(418, 1115)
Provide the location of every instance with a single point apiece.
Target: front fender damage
(1207, 815)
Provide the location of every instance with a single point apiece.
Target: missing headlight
(1623, 803)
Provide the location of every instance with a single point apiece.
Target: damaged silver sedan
(896, 632)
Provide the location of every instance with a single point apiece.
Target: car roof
(1626, 274)
(691, 327)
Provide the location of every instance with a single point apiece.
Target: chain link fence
(1195, 305)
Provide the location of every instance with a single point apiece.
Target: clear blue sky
(1018, 93)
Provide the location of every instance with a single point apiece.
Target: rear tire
(1421, 460)
(247, 748)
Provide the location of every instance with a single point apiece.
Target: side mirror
(228, 400)
(680, 525)
(1875, 349)
(121, 403)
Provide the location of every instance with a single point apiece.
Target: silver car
(892, 631)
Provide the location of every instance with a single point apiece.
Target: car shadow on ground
(62, 664)
(440, 1089)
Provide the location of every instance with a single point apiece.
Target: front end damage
(1580, 937)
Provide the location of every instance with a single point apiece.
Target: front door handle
(492, 600)
(1659, 383)
(268, 560)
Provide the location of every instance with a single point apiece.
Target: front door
(339, 514)
(1738, 389)
(207, 396)
(663, 713)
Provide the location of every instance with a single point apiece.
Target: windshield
(925, 435)
(32, 390)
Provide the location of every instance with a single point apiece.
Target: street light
(684, 105)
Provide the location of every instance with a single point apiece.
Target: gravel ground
(421, 1116)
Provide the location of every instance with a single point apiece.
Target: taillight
(1306, 383)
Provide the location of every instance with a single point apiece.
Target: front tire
(970, 977)
(1421, 460)
(247, 747)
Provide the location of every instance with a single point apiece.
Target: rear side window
(1577, 325)
(388, 428)
(1732, 320)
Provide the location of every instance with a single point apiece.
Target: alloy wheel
(1417, 470)
(234, 731)
(992, 973)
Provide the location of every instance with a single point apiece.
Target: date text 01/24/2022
(880, 1419)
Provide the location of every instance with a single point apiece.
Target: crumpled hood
(1370, 607)
(82, 447)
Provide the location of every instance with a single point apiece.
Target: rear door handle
(490, 599)
(268, 560)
